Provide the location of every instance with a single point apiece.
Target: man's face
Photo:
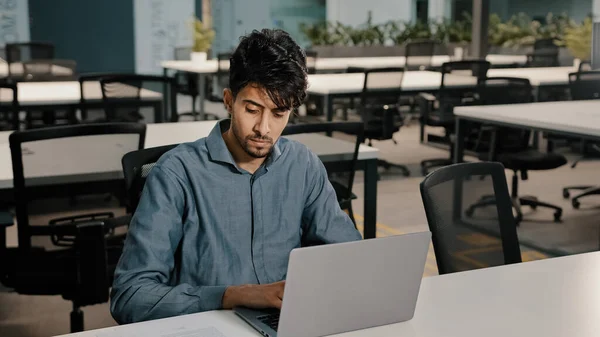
(256, 121)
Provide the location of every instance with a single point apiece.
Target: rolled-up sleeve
(324, 220)
(142, 289)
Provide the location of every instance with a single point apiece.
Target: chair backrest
(585, 66)
(51, 160)
(455, 75)
(90, 90)
(37, 70)
(377, 79)
(506, 90)
(584, 85)
(136, 168)
(28, 51)
(448, 196)
(311, 61)
(545, 45)
(9, 109)
(419, 54)
(354, 129)
(122, 94)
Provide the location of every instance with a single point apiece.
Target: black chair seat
(374, 130)
(531, 160)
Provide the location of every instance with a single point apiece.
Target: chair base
(76, 319)
(586, 190)
(517, 203)
(387, 165)
(428, 164)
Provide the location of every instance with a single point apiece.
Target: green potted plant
(578, 40)
(203, 39)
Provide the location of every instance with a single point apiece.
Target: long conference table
(209, 67)
(555, 297)
(81, 163)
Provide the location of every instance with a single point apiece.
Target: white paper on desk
(210, 331)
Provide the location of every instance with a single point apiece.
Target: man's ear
(228, 100)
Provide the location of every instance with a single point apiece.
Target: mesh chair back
(123, 95)
(585, 85)
(9, 106)
(37, 70)
(46, 161)
(24, 52)
(311, 61)
(585, 66)
(352, 129)
(447, 195)
(419, 54)
(136, 168)
(455, 77)
(377, 84)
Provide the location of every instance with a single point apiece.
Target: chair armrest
(426, 103)
(6, 220)
(63, 229)
(92, 285)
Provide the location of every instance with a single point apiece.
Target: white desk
(62, 93)
(17, 69)
(81, 164)
(556, 297)
(323, 65)
(330, 86)
(572, 118)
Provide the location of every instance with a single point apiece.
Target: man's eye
(251, 111)
(279, 115)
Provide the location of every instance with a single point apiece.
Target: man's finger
(277, 303)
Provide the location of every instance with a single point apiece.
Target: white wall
(596, 10)
(439, 9)
(354, 12)
(14, 22)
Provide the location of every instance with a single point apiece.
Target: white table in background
(571, 118)
(91, 168)
(556, 297)
(330, 86)
(323, 65)
(16, 69)
(67, 94)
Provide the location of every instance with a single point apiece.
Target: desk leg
(459, 142)
(165, 95)
(370, 207)
(326, 106)
(201, 89)
(159, 113)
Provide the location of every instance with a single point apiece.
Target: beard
(251, 150)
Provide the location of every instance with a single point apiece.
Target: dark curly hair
(270, 59)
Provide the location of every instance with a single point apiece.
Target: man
(218, 217)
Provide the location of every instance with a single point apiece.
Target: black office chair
(380, 110)
(72, 256)
(343, 190)
(510, 146)
(419, 54)
(446, 192)
(90, 97)
(584, 85)
(9, 111)
(217, 82)
(187, 83)
(136, 168)
(545, 54)
(27, 51)
(122, 97)
(438, 110)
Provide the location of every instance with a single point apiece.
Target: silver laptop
(344, 287)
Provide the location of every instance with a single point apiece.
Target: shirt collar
(218, 151)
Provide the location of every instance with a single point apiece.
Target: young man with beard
(218, 217)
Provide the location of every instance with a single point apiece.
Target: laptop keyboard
(272, 320)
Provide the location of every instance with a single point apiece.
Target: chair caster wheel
(566, 194)
(557, 216)
(575, 204)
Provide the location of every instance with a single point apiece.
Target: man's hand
(254, 296)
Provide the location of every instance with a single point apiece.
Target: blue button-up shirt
(203, 224)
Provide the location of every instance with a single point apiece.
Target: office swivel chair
(419, 54)
(186, 83)
(136, 168)
(122, 97)
(9, 110)
(545, 54)
(25, 52)
(510, 146)
(380, 111)
(584, 85)
(74, 256)
(343, 190)
(446, 192)
(437, 111)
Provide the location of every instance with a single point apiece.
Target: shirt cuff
(211, 297)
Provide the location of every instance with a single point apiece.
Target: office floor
(399, 211)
